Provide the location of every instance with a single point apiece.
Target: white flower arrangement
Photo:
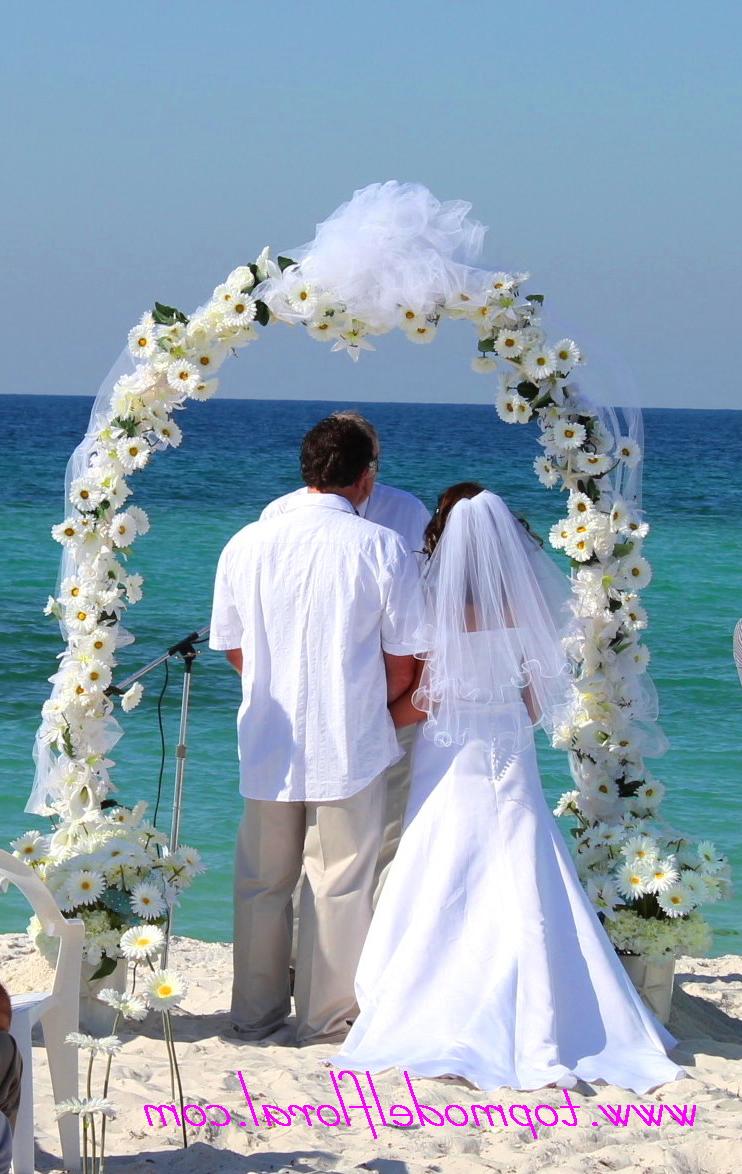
(177, 359)
(112, 869)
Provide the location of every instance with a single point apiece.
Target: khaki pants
(338, 843)
(397, 783)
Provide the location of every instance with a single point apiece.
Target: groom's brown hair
(335, 453)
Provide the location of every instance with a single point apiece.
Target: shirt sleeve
(403, 611)
(226, 625)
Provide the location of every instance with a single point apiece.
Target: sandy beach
(706, 1018)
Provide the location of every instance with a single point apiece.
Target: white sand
(707, 1018)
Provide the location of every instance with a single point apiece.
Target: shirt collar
(328, 501)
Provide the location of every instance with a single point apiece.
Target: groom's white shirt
(312, 596)
(394, 508)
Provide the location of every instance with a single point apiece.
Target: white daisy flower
(422, 332)
(131, 698)
(632, 615)
(560, 534)
(105, 1045)
(169, 433)
(147, 901)
(143, 340)
(567, 355)
(546, 471)
(509, 343)
(711, 862)
(628, 451)
(208, 359)
(595, 463)
(224, 295)
(86, 1107)
(133, 452)
(619, 515)
(632, 880)
(81, 617)
(640, 850)
(183, 375)
(133, 587)
(84, 887)
(85, 494)
(410, 316)
(651, 793)
(205, 389)
(31, 846)
(303, 299)
(129, 1006)
(662, 875)
(636, 527)
(242, 311)
(142, 942)
(579, 546)
(569, 801)
(165, 989)
(190, 858)
(96, 676)
(68, 532)
(502, 282)
(100, 643)
(568, 434)
(123, 529)
(139, 517)
(603, 893)
(512, 407)
(580, 504)
(636, 573)
(695, 885)
(322, 329)
(539, 363)
(675, 901)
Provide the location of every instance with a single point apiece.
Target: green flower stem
(168, 1028)
(90, 1093)
(105, 1094)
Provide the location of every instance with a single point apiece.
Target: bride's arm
(403, 712)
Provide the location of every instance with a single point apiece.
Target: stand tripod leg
(181, 754)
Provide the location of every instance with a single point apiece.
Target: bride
(485, 958)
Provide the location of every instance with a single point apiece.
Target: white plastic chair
(58, 1011)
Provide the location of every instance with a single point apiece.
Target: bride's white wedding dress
(485, 958)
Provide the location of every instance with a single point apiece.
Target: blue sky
(151, 147)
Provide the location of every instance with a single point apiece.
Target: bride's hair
(447, 501)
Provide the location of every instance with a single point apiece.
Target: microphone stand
(186, 649)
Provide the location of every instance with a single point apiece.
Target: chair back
(70, 931)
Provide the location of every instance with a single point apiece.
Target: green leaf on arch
(262, 313)
(167, 315)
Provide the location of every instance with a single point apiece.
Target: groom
(316, 608)
(404, 513)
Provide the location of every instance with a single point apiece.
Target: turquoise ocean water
(236, 456)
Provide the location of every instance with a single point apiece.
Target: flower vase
(653, 979)
(96, 1018)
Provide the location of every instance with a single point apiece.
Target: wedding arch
(392, 258)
